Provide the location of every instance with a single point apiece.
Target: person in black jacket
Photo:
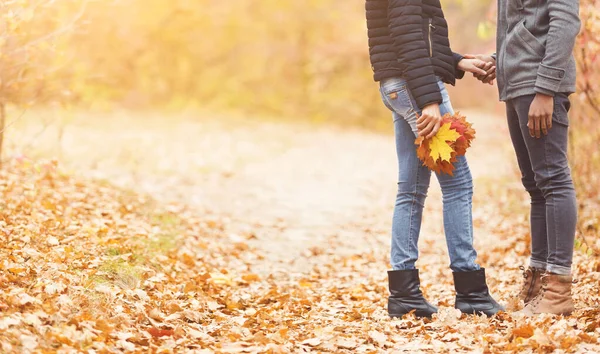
(411, 59)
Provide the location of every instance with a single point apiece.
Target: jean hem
(558, 269)
(403, 268)
(473, 268)
(533, 263)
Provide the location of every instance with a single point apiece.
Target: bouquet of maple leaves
(440, 152)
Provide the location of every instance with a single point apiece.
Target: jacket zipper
(431, 26)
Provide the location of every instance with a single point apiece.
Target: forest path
(295, 190)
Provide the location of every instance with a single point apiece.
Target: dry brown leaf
(313, 342)
(378, 338)
(525, 331)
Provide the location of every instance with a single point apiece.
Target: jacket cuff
(430, 98)
(548, 79)
(495, 57)
(544, 91)
(459, 74)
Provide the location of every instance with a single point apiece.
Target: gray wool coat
(534, 43)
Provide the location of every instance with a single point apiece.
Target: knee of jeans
(532, 188)
(412, 191)
(459, 184)
(558, 181)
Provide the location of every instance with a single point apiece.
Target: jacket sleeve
(406, 29)
(564, 27)
(459, 74)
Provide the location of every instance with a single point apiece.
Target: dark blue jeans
(547, 177)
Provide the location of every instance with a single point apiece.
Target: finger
(434, 130)
(479, 71)
(530, 126)
(549, 122)
(423, 118)
(470, 56)
(423, 124)
(427, 130)
(537, 127)
(479, 67)
(490, 77)
(543, 126)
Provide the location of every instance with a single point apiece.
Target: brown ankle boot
(531, 284)
(554, 297)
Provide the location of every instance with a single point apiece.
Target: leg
(539, 235)
(549, 162)
(457, 192)
(413, 177)
(413, 182)
(472, 293)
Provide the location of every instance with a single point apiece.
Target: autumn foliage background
(264, 58)
(64, 62)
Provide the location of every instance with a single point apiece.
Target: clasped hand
(482, 66)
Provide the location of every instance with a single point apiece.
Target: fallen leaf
(313, 342)
(155, 332)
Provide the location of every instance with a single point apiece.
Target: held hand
(473, 65)
(482, 57)
(490, 68)
(430, 120)
(540, 115)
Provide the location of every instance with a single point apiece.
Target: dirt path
(295, 190)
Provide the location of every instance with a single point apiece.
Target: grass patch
(118, 272)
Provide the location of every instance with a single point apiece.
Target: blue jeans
(413, 183)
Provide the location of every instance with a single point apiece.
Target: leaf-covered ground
(230, 236)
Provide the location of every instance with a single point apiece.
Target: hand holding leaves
(429, 122)
(440, 152)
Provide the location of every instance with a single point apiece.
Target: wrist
(432, 105)
(544, 95)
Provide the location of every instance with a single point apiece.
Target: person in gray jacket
(536, 73)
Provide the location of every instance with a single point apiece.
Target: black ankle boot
(406, 295)
(472, 294)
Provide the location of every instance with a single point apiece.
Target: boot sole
(489, 314)
(417, 314)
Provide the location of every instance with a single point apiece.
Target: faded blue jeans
(413, 183)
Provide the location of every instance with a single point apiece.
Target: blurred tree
(33, 61)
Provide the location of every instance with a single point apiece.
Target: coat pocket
(524, 53)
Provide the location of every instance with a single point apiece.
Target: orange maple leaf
(440, 152)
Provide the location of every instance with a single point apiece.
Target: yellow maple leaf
(440, 149)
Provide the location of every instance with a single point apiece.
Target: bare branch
(53, 34)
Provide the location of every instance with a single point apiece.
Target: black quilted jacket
(409, 39)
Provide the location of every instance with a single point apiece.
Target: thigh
(515, 128)
(461, 178)
(548, 154)
(412, 175)
(397, 97)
